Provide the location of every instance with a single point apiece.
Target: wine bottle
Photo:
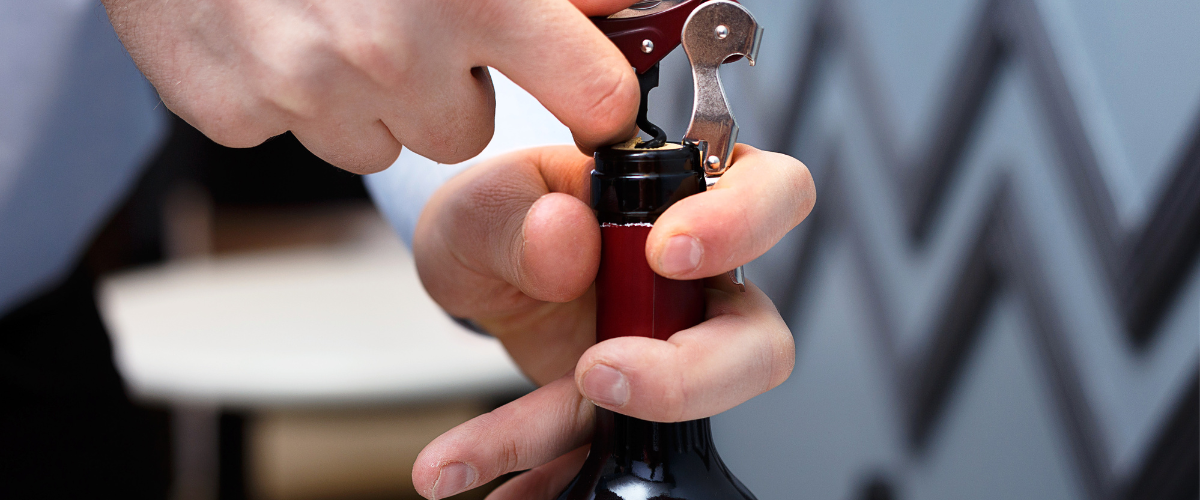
(630, 458)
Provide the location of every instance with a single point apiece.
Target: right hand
(512, 244)
(356, 79)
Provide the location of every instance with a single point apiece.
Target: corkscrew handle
(648, 30)
(630, 189)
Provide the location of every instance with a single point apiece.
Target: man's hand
(512, 244)
(356, 79)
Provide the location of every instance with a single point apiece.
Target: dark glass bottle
(630, 458)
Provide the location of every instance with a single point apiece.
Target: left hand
(512, 244)
(355, 80)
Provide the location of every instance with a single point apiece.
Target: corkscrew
(712, 32)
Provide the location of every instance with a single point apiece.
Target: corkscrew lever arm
(714, 33)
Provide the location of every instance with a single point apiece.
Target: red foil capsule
(631, 300)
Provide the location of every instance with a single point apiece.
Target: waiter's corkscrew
(712, 32)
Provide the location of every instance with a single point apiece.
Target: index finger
(758, 200)
(554, 52)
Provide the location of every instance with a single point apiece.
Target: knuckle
(676, 397)
(229, 124)
(609, 110)
(506, 452)
(371, 158)
(461, 139)
(385, 60)
(803, 186)
(458, 131)
(582, 411)
(510, 455)
(781, 360)
(361, 164)
(292, 96)
(495, 203)
(289, 74)
(671, 401)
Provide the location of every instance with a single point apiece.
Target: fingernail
(453, 479)
(605, 385)
(681, 254)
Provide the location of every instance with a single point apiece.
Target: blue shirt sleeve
(401, 191)
(77, 124)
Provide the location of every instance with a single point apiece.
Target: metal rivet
(722, 31)
(713, 161)
(647, 46)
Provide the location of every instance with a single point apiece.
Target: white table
(333, 325)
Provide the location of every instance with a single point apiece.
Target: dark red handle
(663, 29)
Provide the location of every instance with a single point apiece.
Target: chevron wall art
(997, 295)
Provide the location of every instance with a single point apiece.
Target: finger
(237, 120)
(543, 482)
(448, 116)
(762, 197)
(742, 350)
(518, 220)
(547, 341)
(592, 8)
(327, 109)
(523, 434)
(511, 244)
(445, 113)
(358, 146)
(569, 66)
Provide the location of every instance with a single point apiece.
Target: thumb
(554, 52)
(519, 221)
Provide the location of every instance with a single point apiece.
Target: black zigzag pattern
(1144, 266)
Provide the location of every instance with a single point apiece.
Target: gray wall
(997, 296)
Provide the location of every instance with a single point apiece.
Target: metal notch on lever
(714, 33)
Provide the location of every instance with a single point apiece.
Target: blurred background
(996, 297)
(271, 326)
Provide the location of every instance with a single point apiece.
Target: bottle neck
(637, 185)
(634, 440)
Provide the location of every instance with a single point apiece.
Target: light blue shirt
(77, 122)
(402, 190)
